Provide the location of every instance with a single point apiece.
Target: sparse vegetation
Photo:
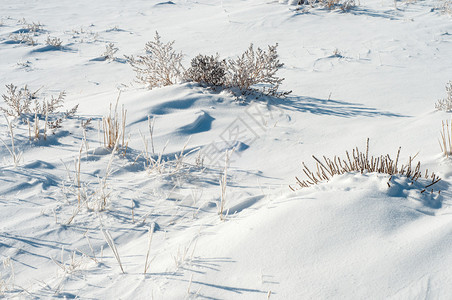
(445, 142)
(256, 68)
(445, 103)
(253, 71)
(23, 38)
(344, 5)
(15, 154)
(54, 42)
(114, 127)
(159, 66)
(18, 100)
(110, 51)
(26, 104)
(361, 162)
(207, 70)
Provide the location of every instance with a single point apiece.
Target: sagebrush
(159, 66)
(207, 70)
(254, 70)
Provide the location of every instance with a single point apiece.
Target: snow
(374, 72)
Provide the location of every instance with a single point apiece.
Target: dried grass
(362, 163)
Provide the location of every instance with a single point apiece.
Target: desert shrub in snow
(23, 38)
(18, 100)
(208, 70)
(446, 103)
(32, 27)
(27, 32)
(159, 66)
(26, 104)
(361, 162)
(110, 51)
(54, 42)
(329, 4)
(256, 67)
(252, 71)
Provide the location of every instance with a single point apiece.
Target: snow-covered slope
(374, 72)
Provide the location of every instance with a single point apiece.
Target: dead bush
(208, 70)
(159, 66)
(256, 68)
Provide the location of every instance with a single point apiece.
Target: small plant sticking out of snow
(54, 42)
(25, 104)
(256, 67)
(114, 127)
(160, 66)
(110, 51)
(361, 162)
(207, 70)
(23, 38)
(446, 138)
(15, 154)
(446, 103)
(27, 32)
(18, 100)
(33, 27)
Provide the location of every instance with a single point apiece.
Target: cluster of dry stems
(361, 162)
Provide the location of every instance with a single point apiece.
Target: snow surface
(351, 238)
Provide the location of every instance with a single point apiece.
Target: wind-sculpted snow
(193, 200)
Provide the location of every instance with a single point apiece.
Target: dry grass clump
(446, 103)
(446, 138)
(361, 162)
(114, 127)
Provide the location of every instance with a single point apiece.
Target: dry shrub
(110, 51)
(18, 100)
(26, 104)
(330, 4)
(254, 70)
(207, 70)
(54, 42)
(256, 67)
(446, 103)
(24, 38)
(160, 66)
